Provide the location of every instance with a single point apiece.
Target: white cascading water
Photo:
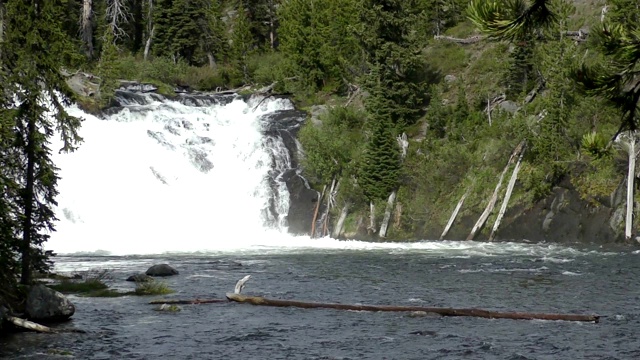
(167, 177)
(164, 177)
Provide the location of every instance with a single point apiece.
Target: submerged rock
(140, 278)
(45, 304)
(162, 270)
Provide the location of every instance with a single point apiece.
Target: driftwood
(30, 325)
(454, 215)
(188, 302)
(256, 300)
(240, 284)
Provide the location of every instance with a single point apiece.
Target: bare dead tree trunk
(86, 28)
(147, 46)
(212, 61)
(387, 215)
(325, 226)
(343, 216)
(116, 14)
(315, 213)
(507, 196)
(372, 217)
(494, 198)
(630, 182)
(454, 215)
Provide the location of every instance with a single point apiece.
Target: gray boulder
(162, 270)
(45, 304)
(140, 278)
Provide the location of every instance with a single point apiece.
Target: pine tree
(179, 28)
(380, 169)
(242, 42)
(263, 20)
(33, 96)
(390, 44)
(317, 39)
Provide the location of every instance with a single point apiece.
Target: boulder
(140, 278)
(83, 84)
(44, 304)
(162, 270)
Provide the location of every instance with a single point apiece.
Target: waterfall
(199, 173)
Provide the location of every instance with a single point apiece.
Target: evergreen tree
(242, 42)
(214, 41)
(263, 20)
(390, 44)
(316, 38)
(179, 32)
(380, 168)
(33, 95)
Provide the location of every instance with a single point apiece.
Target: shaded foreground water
(510, 277)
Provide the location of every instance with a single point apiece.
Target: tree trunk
(630, 182)
(372, 217)
(256, 300)
(315, 213)
(25, 324)
(343, 216)
(494, 198)
(27, 224)
(507, 196)
(212, 61)
(454, 215)
(325, 224)
(86, 27)
(387, 215)
(147, 46)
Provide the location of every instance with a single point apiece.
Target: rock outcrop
(46, 305)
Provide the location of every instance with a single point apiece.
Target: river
(507, 276)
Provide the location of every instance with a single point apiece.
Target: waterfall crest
(199, 173)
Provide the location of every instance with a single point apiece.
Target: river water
(507, 276)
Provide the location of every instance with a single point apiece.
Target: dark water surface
(538, 278)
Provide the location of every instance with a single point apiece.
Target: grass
(152, 288)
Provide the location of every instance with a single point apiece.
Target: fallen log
(29, 325)
(257, 300)
(188, 302)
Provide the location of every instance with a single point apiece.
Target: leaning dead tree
(494, 198)
(507, 196)
(454, 215)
